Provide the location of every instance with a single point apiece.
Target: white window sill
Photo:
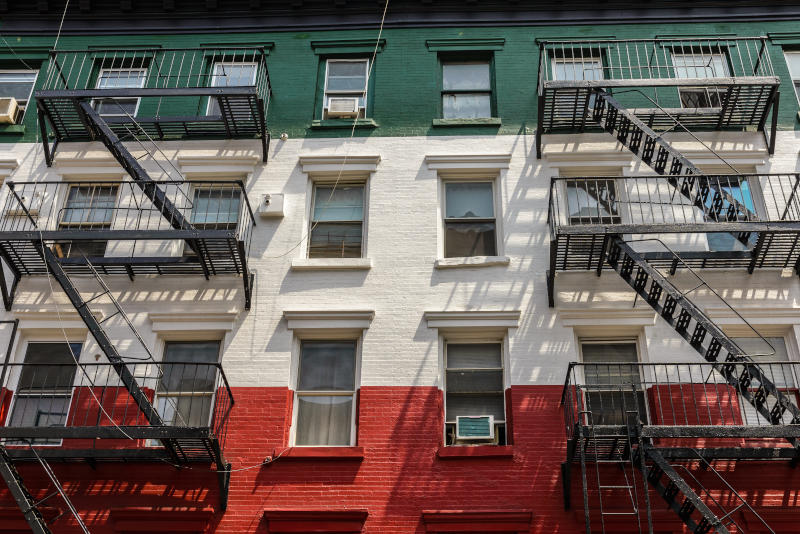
(473, 261)
(331, 264)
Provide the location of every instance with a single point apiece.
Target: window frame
(450, 58)
(794, 77)
(364, 183)
(496, 207)
(21, 116)
(365, 94)
(329, 336)
(214, 65)
(143, 70)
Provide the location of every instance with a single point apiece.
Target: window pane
(577, 69)
(469, 199)
(327, 366)
(461, 405)
(344, 203)
(466, 76)
(699, 65)
(17, 84)
(347, 76)
(324, 420)
(60, 372)
(233, 75)
(464, 239)
(473, 355)
(89, 204)
(335, 240)
(218, 207)
(466, 106)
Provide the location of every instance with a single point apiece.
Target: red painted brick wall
(400, 474)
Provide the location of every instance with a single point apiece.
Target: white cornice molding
(328, 320)
(339, 165)
(183, 321)
(468, 163)
(84, 168)
(607, 317)
(7, 167)
(217, 166)
(473, 321)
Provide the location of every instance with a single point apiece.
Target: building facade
(474, 268)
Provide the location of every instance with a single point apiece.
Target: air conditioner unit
(474, 427)
(8, 109)
(343, 107)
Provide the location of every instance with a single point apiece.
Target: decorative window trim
(297, 521)
(219, 167)
(347, 46)
(344, 322)
(477, 520)
(477, 322)
(458, 45)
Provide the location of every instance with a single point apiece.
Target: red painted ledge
(321, 453)
(477, 451)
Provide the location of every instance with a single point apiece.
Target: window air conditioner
(343, 107)
(474, 427)
(8, 109)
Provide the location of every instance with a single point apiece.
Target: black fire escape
(130, 408)
(634, 428)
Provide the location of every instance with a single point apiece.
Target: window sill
(474, 261)
(322, 453)
(488, 121)
(331, 264)
(343, 123)
(12, 129)
(475, 451)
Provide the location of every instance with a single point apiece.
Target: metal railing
(673, 394)
(671, 200)
(679, 61)
(184, 394)
(144, 71)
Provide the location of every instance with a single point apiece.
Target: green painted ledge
(343, 123)
(12, 129)
(491, 121)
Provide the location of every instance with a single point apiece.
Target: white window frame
(138, 99)
(297, 352)
(794, 76)
(362, 110)
(465, 339)
(364, 183)
(214, 77)
(496, 205)
(24, 106)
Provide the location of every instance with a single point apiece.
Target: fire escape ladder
(717, 204)
(737, 369)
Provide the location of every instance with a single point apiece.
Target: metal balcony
(753, 223)
(704, 83)
(157, 93)
(118, 229)
(86, 412)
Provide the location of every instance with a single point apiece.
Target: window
(474, 386)
(780, 375)
(346, 78)
(186, 390)
(119, 79)
(592, 201)
(469, 222)
(45, 386)
(701, 65)
(230, 75)
(18, 84)
(87, 207)
(337, 221)
(326, 393)
(793, 61)
(466, 90)
(609, 379)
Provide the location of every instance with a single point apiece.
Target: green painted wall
(406, 76)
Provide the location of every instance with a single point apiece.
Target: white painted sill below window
(331, 264)
(473, 261)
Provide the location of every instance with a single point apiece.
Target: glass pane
(327, 366)
(52, 366)
(466, 106)
(324, 420)
(474, 381)
(233, 75)
(90, 204)
(17, 84)
(469, 199)
(699, 65)
(120, 79)
(568, 69)
(466, 76)
(347, 76)
(620, 358)
(464, 239)
(591, 201)
(460, 405)
(473, 355)
(216, 208)
(188, 376)
(335, 240)
(344, 203)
